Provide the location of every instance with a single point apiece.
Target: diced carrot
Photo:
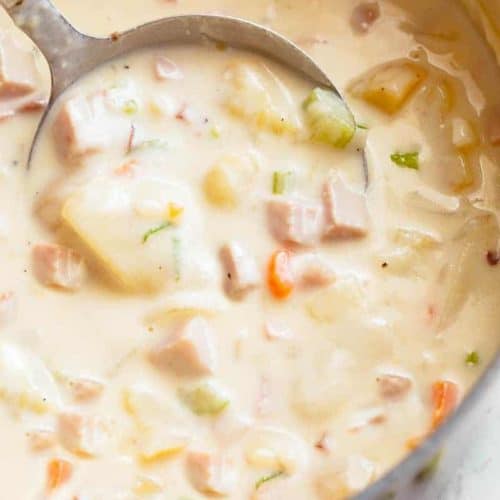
(58, 472)
(280, 278)
(445, 399)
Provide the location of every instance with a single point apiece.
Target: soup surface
(217, 281)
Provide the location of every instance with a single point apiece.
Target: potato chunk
(389, 86)
(227, 180)
(257, 96)
(25, 381)
(125, 224)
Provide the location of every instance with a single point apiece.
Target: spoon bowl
(72, 54)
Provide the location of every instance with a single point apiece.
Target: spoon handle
(64, 47)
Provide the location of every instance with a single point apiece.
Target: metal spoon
(71, 54)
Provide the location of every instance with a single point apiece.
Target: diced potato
(150, 410)
(275, 449)
(228, 180)
(415, 239)
(345, 480)
(134, 247)
(464, 136)
(156, 446)
(389, 86)
(330, 120)
(205, 398)
(334, 302)
(148, 406)
(25, 382)
(145, 486)
(257, 96)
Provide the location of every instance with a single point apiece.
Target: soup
(223, 282)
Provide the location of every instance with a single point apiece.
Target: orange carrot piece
(280, 277)
(445, 400)
(58, 472)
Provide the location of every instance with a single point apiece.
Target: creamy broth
(207, 290)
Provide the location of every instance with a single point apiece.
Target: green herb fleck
(154, 230)
(269, 477)
(130, 107)
(430, 469)
(361, 126)
(151, 144)
(176, 244)
(282, 182)
(215, 132)
(406, 160)
(472, 358)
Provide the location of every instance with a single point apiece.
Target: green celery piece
(330, 120)
(282, 182)
(473, 358)
(130, 107)
(406, 160)
(204, 399)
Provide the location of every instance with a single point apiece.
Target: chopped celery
(205, 398)
(130, 107)
(472, 358)
(406, 160)
(154, 230)
(215, 132)
(361, 126)
(269, 477)
(282, 182)
(330, 120)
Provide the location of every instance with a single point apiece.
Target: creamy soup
(218, 280)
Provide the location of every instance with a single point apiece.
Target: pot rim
(407, 469)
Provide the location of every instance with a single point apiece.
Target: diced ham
(41, 439)
(240, 271)
(7, 307)
(58, 266)
(31, 102)
(393, 386)
(295, 221)
(86, 389)
(81, 434)
(88, 124)
(210, 473)
(18, 72)
(312, 270)
(346, 215)
(364, 15)
(189, 350)
(165, 69)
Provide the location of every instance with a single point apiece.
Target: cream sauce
(413, 299)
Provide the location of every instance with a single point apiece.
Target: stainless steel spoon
(72, 54)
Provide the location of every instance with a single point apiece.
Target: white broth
(217, 281)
